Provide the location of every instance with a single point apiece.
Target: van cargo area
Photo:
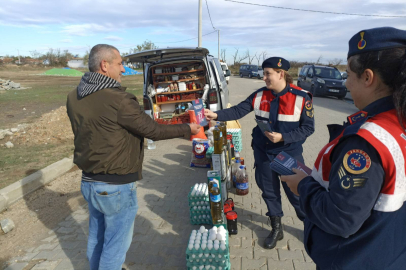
(172, 86)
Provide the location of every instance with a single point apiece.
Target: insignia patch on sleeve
(356, 161)
(310, 113)
(308, 105)
(350, 181)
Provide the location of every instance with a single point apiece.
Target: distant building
(76, 63)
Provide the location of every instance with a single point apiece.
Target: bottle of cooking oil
(215, 202)
(218, 140)
(223, 128)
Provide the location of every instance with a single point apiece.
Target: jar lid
(231, 215)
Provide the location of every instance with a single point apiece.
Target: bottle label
(242, 185)
(215, 198)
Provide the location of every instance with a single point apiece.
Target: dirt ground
(38, 213)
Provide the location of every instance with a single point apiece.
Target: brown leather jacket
(109, 127)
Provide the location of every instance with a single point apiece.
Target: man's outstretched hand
(194, 128)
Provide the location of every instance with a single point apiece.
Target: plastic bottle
(151, 144)
(242, 185)
(218, 143)
(234, 169)
(215, 202)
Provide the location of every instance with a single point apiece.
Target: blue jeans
(112, 210)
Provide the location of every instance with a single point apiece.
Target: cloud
(113, 38)
(87, 29)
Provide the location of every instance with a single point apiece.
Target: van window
(304, 71)
(329, 73)
(221, 74)
(224, 67)
(310, 72)
(254, 68)
(242, 68)
(259, 68)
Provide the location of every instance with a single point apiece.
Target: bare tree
(258, 57)
(249, 57)
(235, 56)
(264, 54)
(319, 59)
(335, 62)
(223, 55)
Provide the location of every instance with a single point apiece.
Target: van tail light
(213, 97)
(147, 104)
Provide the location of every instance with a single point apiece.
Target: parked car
(184, 67)
(251, 71)
(226, 71)
(322, 81)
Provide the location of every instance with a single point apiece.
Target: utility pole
(200, 25)
(218, 31)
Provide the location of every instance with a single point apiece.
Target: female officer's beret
(376, 39)
(277, 63)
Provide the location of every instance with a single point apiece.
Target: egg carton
(203, 258)
(200, 212)
(203, 198)
(213, 266)
(201, 221)
(237, 138)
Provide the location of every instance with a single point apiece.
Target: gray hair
(99, 53)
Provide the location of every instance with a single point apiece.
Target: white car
(224, 67)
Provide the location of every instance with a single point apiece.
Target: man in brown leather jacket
(109, 127)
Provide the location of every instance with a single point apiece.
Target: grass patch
(21, 161)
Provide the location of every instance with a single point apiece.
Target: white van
(224, 67)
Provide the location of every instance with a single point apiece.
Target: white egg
(197, 246)
(222, 242)
(220, 237)
(194, 232)
(190, 246)
(216, 242)
(223, 247)
(203, 245)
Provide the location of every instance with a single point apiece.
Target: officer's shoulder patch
(356, 117)
(310, 113)
(350, 181)
(356, 161)
(308, 105)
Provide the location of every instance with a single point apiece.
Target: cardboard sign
(199, 112)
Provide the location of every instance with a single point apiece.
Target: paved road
(162, 226)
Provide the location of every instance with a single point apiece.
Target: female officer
(289, 112)
(354, 198)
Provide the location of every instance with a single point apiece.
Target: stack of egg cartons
(199, 204)
(237, 138)
(208, 249)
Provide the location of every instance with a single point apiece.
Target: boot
(276, 233)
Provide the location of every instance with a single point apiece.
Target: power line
(210, 16)
(317, 11)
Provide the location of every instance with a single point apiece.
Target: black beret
(376, 39)
(276, 62)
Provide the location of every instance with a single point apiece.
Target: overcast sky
(77, 25)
